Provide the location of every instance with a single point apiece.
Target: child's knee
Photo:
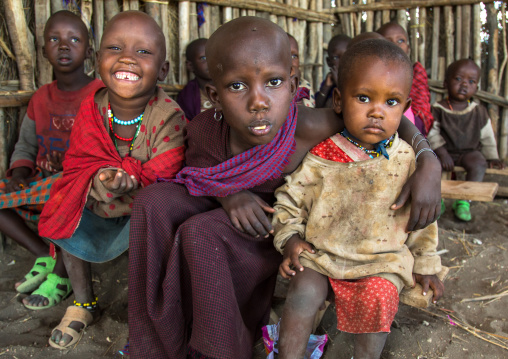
(307, 293)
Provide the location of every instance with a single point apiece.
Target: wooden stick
(448, 20)
(111, 8)
(193, 22)
(56, 5)
(227, 14)
(274, 8)
(458, 32)
(369, 23)
(42, 13)
(422, 32)
(486, 297)
(154, 10)
(170, 79)
(402, 18)
(477, 45)
(23, 48)
(413, 35)
(215, 18)
(184, 38)
(134, 4)
(318, 71)
(407, 4)
(466, 29)
(492, 65)
(98, 24)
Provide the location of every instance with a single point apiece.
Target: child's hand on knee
(294, 246)
(496, 164)
(430, 281)
(445, 158)
(247, 212)
(19, 180)
(118, 181)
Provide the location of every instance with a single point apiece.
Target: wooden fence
(440, 31)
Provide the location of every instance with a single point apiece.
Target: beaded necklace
(380, 147)
(123, 123)
(132, 139)
(450, 105)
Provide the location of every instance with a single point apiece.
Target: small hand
(55, 159)
(247, 212)
(118, 181)
(334, 71)
(19, 180)
(445, 158)
(294, 246)
(329, 81)
(431, 281)
(496, 164)
(424, 189)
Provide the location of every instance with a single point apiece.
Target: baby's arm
(489, 146)
(427, 263)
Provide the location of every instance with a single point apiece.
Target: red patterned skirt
(365, 305)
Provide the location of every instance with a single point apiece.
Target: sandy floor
(477, 255)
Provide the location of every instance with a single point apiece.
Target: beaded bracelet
(426, 149)
(92, 305)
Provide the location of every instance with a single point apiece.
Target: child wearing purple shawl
(202, 266)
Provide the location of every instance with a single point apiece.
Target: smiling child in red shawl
(126, 136)
(201, 268)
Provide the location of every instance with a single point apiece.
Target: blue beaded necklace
(123, 123)
(379, 148)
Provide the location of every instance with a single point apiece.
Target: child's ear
(213, 96)
(294, 82)
(163, 72)
(337, 103)
(88, 52)
(408, 104)
(189, 66)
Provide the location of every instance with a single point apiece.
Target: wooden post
(184, 38)
(23, 48)
(378, 20)
(170, 79)
(111, 8)
(448, 21)
(402, 18)
(56, 5)
(477, 45)
(290, 24)
(98, 25)
(386, 16)
(281, 20)
(154, 10)
(492, 64)
(193, 22)
(215, 18)
(134, 4)
(503, 131)
(466, 30)
(369, 23)
(441, 74)
(205, 29)
(126, 6)
(236, 13)
(435, 48)
(3, 165)
(413, 35)
(318, 71)
(42, 13)
(227, 14)
(422, 31)
(458, 32)
(327, 36)
(312, 48)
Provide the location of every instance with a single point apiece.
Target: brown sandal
(73, 314)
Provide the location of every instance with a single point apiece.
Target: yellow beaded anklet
(89, 306)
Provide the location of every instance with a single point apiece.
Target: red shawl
(91, 149)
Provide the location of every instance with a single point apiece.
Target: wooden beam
(467, 190)
(404, 4)
(274, 8)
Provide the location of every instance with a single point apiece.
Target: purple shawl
(189, 99)
(247, 169)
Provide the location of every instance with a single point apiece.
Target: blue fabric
(97, 239)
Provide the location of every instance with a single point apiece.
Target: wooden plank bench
(467, 190)
(502, 191)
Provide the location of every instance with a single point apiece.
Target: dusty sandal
(73, 314)
(49, 290)
(32, 281)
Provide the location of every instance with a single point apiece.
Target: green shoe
(461, 210)
(32, 281)
(49, 289)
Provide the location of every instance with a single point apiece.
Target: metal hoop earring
(215, 116)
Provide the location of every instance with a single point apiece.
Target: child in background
(333, 217)
(202, 247)
(37, 159)
(192, 99)
(336, 48)
(295, 60)
(420, 94)
(462, 134)
(125, 137)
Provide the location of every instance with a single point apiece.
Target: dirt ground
(477, 253)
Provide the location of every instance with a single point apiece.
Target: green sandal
(49, 290)
(32, 281)
(462, 211)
